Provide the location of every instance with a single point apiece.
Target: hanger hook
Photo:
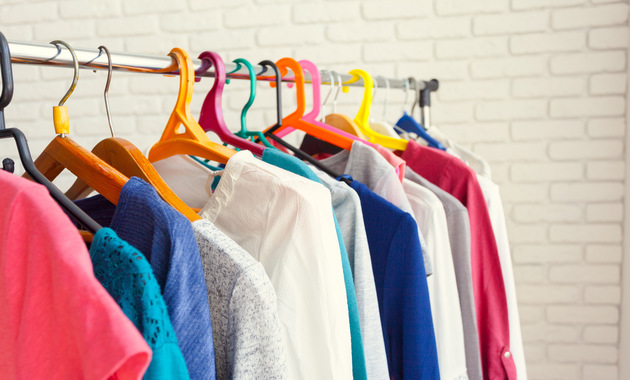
(332, 85)
(252, 91)
(75, 61)
(374, 91)
(406, 84)
(386, 99)
(416, 94)
(106, 92)
(338, 90)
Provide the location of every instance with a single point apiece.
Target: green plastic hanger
(244, 133)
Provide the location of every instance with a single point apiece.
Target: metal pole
(94, 59)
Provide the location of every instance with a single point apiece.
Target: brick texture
(537, 87)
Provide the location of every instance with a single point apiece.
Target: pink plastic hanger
(311, 117)
(211, 116)
(295, 118)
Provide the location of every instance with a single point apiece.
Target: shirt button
(507, 354)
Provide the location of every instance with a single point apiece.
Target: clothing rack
(94, 59)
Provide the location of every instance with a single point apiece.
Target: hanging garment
(398, 163)
(271, 213)
(497, 218)
(128, 277)
(189, 179)
(447, 315)
(495, 209)
(57, 320)
(401, 286)
(459, 238)
(247, 336)
(296, 166)
(166, 239)
(452, 175)
(367, 166)
(384, 128)
(347, 208)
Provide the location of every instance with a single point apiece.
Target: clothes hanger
(295, 119)
(244, 133)
(331, 80)
(364, 113)
(129, 160)
(211, 116)
(311, 117)
(22, 145)
(312, 145)
(297, 152)
(409, 124)
(192, 140)
(340, 121)
(63, 153)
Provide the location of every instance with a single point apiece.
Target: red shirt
(455, 177)
(57, 320)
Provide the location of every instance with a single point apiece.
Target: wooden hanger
(340, 121)
(63, 153)
(129, 160)
(193, 140)
(24, 153)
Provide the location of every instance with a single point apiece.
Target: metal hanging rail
(94, 59)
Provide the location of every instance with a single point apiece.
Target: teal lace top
(126, 274)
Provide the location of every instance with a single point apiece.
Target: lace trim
(127, 276)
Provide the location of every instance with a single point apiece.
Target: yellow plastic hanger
(193, 140)
(340, 121)
(362, 118)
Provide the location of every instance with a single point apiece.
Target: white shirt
(445, 308)
(384, 128)
(497, 217)
(476, 162)
(286, 223)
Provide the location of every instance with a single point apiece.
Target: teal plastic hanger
(244, 133)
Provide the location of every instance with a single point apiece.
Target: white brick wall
(538, 87)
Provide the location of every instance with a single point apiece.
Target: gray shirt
(367, 166)
(246, 331)
(347, 208)
(459, 237)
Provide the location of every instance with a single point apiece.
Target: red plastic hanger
(211, 116)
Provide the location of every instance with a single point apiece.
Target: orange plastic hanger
(63, 153)
(295, 119)
(192, 140)
(129, 160)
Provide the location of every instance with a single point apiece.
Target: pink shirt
(57, 321)
(398, 163)
(453, 176)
